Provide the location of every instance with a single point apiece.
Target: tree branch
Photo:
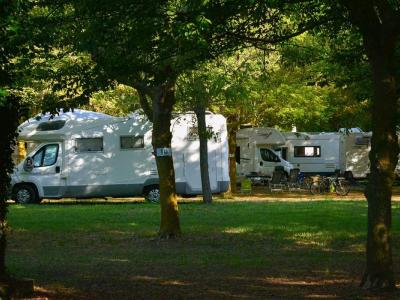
(144, 102)
(281, 38)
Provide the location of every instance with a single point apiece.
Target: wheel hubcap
(23, 196)
(154, 195)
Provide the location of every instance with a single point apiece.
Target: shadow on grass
(236, 250)
(249, 287)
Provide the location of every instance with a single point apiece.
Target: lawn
(229, 250)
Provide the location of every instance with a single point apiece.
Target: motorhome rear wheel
(152, 194)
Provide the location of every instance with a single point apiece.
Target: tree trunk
(380, 27)
(203, 137)
(383, 159)
(233, 126)
(3, 240)
(163, 101)
(9, 111)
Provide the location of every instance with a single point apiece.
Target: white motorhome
(326, 152)
(85, 154)
(255, 155)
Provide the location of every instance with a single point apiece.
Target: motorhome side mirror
(28, 164)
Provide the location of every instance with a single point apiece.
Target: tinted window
(131, 142)
(46, 156)
(50, 155)
(37, 158)
(89, 144)
(268, 155)
(363, 140)
(51, 125)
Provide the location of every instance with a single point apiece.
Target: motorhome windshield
(51, 125)
(268, 155)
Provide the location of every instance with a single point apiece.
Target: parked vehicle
(260, 150)
(83, 154)
(255, 156)
(318, 153)
(325, 153)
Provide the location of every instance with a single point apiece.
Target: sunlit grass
(71, 244)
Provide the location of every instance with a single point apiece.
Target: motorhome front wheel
(25, 194)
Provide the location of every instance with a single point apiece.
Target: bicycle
(300, 183)
(336, 184)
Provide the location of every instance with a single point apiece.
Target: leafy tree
(307, 87)
(196, 90)
(225, 85)
(50, 79)
(379, 25)
(146, 45)
(118, 100)
(378, 22)
(9, 110)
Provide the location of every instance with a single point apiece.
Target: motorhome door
(47, 164)
(267, 161)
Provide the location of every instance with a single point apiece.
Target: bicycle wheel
(316, 188)
(304, 184)
(342, 187)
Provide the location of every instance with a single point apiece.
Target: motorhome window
(307, 151)
(46, 156)
(193, 134)
(363, 140)
(37, 158)
(217, 136)
(268, 155)
(89, 144)
(131, 142)
(51, 125)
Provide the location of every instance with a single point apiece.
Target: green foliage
(163, 46)
(296, 84)
(316, 90)
(55, 79)
(9, 110)
(117, 101)
(9, 104)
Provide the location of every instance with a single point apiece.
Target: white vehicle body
(255, 154)
(319, 153)
(84, 154)
(326, 152)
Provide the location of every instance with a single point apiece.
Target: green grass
(83, 246)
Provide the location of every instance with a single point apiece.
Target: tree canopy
(313, 64)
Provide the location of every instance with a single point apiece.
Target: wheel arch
(149, 183)
(148, 187)
(31, 184)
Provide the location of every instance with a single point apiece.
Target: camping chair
(293, 181)
(276, 183)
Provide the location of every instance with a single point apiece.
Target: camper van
(326, 152)
(318, 153)
(255, 156)
(84, 154)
